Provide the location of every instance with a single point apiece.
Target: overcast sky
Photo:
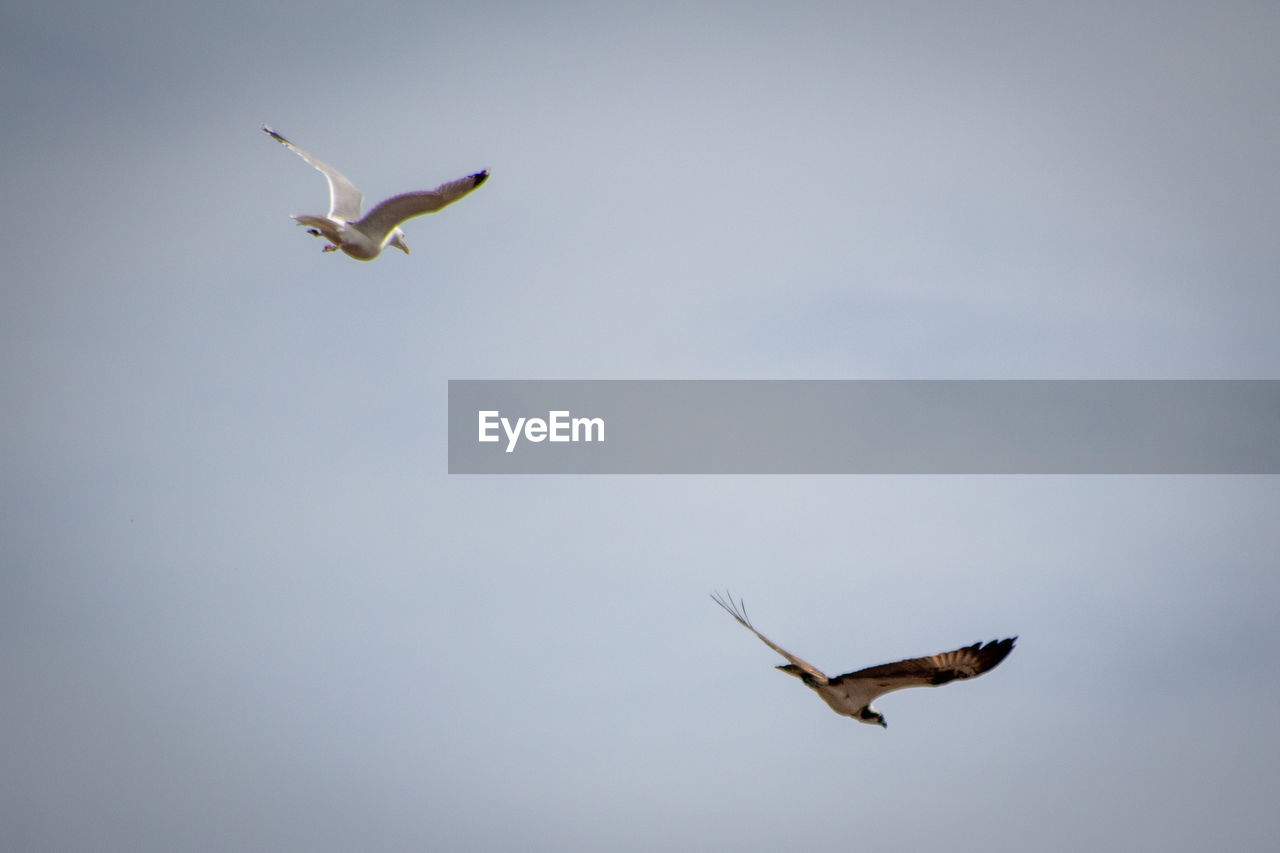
(244, 607)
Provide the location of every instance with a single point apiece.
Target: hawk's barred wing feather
(931, 671)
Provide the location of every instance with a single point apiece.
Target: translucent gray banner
(863, 427)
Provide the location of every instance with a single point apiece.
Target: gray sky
(242, 605)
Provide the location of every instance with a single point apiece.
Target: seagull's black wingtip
(480, 177)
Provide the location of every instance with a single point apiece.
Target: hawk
(851, 694)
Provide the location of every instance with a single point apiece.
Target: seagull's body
(364, 238)
(851, 694)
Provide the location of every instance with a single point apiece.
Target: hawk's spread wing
(966, 662)
(739, 612)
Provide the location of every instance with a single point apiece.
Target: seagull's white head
(871, 717)
(397, 240)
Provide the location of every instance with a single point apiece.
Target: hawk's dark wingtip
(995, 651)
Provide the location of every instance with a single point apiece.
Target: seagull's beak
(400, 244)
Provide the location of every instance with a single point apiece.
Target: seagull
(851, 694)
(364, 238)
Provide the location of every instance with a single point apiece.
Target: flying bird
(364, 238)
(851, 694)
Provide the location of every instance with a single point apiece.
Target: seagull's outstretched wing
(344, 198)
(967, 662)
(386, 215)
(739, 612)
